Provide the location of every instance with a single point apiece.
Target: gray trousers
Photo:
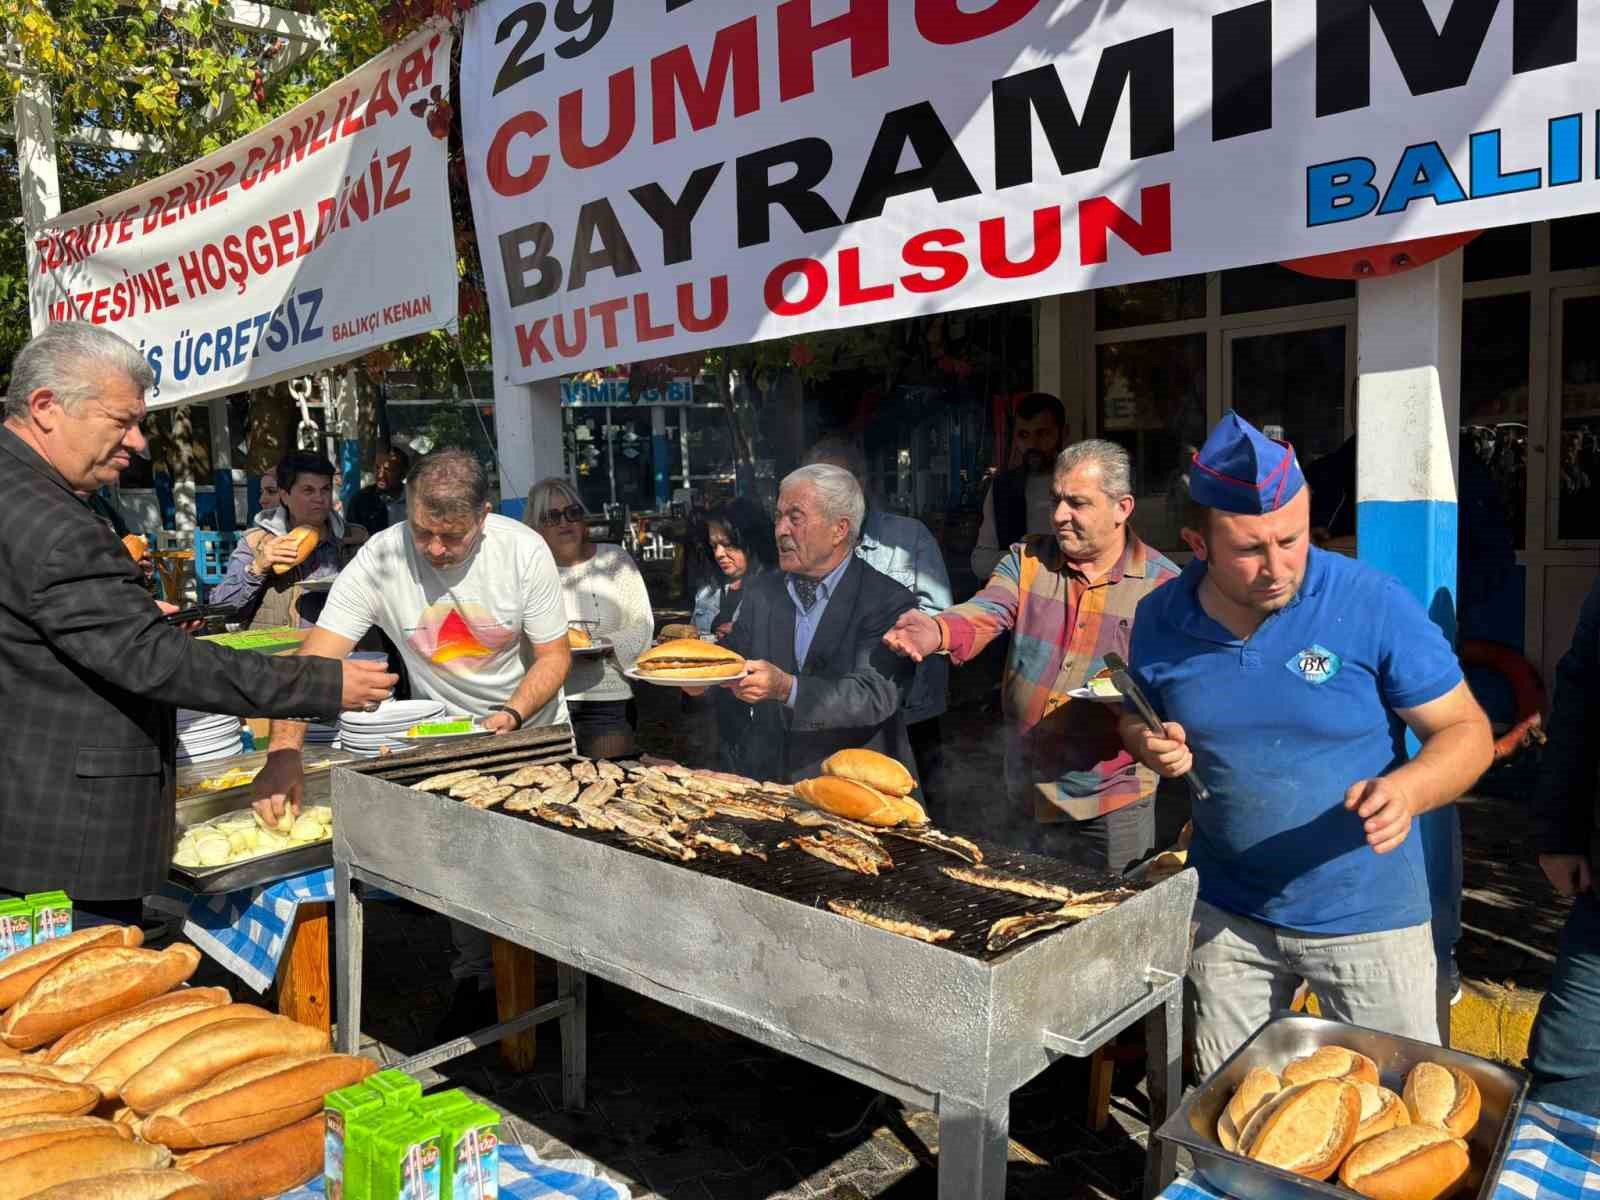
(471, 955)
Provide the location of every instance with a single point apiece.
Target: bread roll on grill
(20, 971)
(91, 1044)
(206, 1053)
(256, 1098)
(1381, 1111)
(851, 800)
(131, 1185)
(1331, 1062)
(69, 1162)
(25, 1095)
(264, 1166)
(876, 771)
(93, 984)
(133, 1056)
(1443, 1096)
(1410, 1162)
(1306, 1129)
(40, 1132)
(1255, 1089)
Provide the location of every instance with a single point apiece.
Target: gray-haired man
(818, 678)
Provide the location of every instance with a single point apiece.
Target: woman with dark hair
(267, 598)
(739, 539)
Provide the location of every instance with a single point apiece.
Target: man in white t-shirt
(473, 600)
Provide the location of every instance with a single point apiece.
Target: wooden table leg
(1102, 1066)
(513, 996)
(303, 979)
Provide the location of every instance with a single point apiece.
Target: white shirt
(608, 592)
(466, 634)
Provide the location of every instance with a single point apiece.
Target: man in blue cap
(1287, 677)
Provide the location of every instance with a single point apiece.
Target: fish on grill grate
(679, 806)
(750, 807)
(946, 843)
(565, 792)
(662, 783)
(630, 764)
(726, 839)
(597, 794)
(523, 801)
(471, 787)
(491, 797)
(635, 820)
(895, 918)
(663, 844)
(1020, 885)
(537, 775)
(842, 850)
(665, 765)
(594, 816)
(444, 782)
(556, 813)
(610, 771)
(1008, 931)
(585, 771)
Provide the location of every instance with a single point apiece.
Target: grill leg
(972, 1149)
(574, 984)
(349, 920)
(1163, 1037)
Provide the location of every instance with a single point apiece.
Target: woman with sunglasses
(606, 598)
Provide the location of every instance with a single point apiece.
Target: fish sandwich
(689, 658)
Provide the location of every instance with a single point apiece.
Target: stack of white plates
(366, 734)
(318, 734)
(207, 737)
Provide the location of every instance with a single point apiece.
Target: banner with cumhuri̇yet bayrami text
(659, 176)
(312, 240)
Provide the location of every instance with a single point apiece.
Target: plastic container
(360, 1148)
(396, 1087)
(52, 915)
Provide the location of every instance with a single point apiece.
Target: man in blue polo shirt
(1287, 677)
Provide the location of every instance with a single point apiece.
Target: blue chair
(211, 553)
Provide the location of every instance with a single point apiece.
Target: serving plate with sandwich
(687, 663)
(584, 642)
(1101, 687)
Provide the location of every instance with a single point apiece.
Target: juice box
(343, 1109)
(396, 1087)
(16, 926)
(52, 915)
(471, 1136)
(407, 1160)
(360, 1137)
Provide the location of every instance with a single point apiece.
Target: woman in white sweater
(606, 597)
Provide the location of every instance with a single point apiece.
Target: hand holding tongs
(1126, 685)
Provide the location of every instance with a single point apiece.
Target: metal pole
(36, 167)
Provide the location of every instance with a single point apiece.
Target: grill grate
(915, 882)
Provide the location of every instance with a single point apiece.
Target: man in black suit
(89, 669)
(818, 677)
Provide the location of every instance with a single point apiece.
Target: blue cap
(1241, 470)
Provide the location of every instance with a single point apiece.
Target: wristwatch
(510, 712)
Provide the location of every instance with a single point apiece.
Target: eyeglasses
(572, 513)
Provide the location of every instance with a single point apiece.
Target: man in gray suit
(90, 670)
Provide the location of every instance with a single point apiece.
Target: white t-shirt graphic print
(466, 634)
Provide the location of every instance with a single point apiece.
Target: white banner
(311, 241)
(712, 172)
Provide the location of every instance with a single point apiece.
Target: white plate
(401, 713)
(1084, 693)
(644, 677)
(601, 646)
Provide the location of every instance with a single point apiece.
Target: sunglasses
(555, 516)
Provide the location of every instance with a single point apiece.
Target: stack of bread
(1328, 1112)
(118, 1083)
(865, 786)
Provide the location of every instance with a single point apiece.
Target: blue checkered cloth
(247, 931)
(1554, 1155)
(524, 1176)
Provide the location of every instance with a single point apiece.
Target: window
(1498, 254)
(1575, 243)
(1252, 289)
(1156, 302)
(1293, 385)
(1578, 469)
(1495, 350)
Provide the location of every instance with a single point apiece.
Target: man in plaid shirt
(1071, 790)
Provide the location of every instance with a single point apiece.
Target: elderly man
(817, 678)
(904, 550)
(91, 670)
(1072, 791)
(473, 601)
(1018, 503)
(1286, 677)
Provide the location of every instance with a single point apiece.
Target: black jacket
(852, 686)
(1567, 807)
(91, 674)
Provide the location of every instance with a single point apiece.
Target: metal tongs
(206, 612)
(1130, 689)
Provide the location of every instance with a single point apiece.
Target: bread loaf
(1255, 1089)
(67, 1162)
(91, 1044)
(47, 1131)
(306, 539)
(1411, 1162)
(1306, 1129)
(253, 1099)
(877, 771)
(1331, 1062)
(1381, 1111)
(23, 1095)
(911, 813)
(117, 1068)
(43, 1070)
(264, 1166)
(22, 970)
(206, 1053)
(853, 801)
(131, 1185)
(1443, 1096)
(93, 984)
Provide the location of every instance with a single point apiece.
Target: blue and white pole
(1408, 353)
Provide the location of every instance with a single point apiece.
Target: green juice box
(343, 1109)
(52, 915)
(396, 1087)
(16, 926)
(407, 1160)
(360, 1139)
(471, 1134)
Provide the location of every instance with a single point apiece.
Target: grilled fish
(666, 766)
(1017, 885)
(597, 794)
(523, 801)
(679, 806)
(726, 839)
(469, 787)
(630, 764)
(491, 797)
(893, 917)
(665, 845)
(781, 790)
(635, 821)
(564, 792)
(842, 850)
(558, 772)
(585, 771)
(537, 775)
(661, 783)
(1008, 931)
(594, 818)
(444, 782)
(814, 818)
(564, 815)
(944, 842)
(610, 770)
(750, 807)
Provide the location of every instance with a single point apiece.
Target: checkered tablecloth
(247, 931)
(524, 1176)
(1555, 1155)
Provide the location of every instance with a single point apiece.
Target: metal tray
(1291, 1035)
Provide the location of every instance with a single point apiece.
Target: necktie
(806, 590)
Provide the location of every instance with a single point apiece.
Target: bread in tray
(1411, 1162)
(1443, 1096)
(1306, 1129)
